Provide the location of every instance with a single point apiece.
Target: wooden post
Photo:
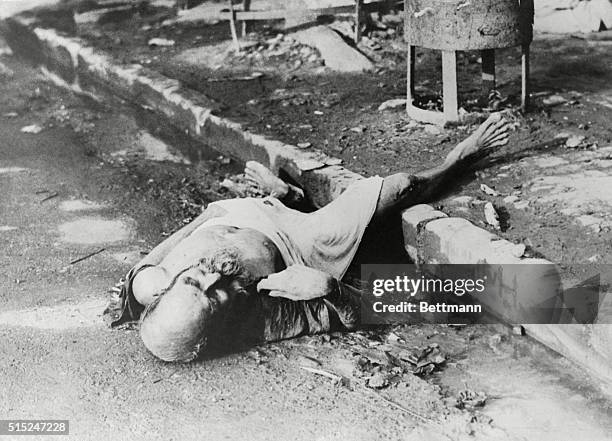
(525, 87)
(449, 86)
(233, 26)
(410, 60)
(246, 6)
(358, 7)
(488, 71)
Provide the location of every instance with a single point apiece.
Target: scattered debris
(425, 360)
(518, 330)
(511, 199)
(51, 196)
(574, 141)
(491, 216)
(160, 42)
(432, 129)
(470, 400)
(335, 378)
(80, 259)
(521, 205)
(33, 128)
(378, 381)
(488, 190)
(463, 201)
(554, 100)
(595, 258)
(394, 104)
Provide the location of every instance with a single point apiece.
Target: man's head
(178, 323)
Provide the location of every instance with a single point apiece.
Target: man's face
(209, 293)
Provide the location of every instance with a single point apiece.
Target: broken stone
(521, 205)
(378, 381)
(491, 215)
(511, 199)
(554, 100)
(160, 42)
(574, 141)
(333, 161)
(518, 330)
(336, 53)
(462, 200)
(394, 104)
(432, 129)
(34, 129)
(488, 190)
(470, 400)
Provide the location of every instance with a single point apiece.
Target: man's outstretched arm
(403, 190)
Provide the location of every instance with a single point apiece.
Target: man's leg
(403, 190)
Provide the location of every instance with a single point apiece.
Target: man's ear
(149, 282)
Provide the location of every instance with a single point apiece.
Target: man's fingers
(283, 294)
(267, 284)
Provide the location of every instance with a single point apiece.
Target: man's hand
(298, 282)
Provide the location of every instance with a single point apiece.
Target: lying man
(256, 270)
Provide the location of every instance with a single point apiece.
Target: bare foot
(491, 134)
(267, 181)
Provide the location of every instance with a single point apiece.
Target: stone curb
(432, 237)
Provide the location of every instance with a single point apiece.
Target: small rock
(318, 113)
(521, 205)
(518, 330)
(394, 104)
(378, 381)
(491, 215)
(462, 200)
(34, 128)
(595, 258)
(511, 199)
(160, 42)
(488, 190)
(333, 161)
(304, 145)
(357, 129)
(574, 141)
(432, 129)
(554, 100)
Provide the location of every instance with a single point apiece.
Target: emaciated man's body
(255, 268)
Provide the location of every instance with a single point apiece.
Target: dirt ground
(288, 95)
(109, 172)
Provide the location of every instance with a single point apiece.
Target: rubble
(488, 190)
(33, 128)
(491, 216)
(394, 104)
(160, 42)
